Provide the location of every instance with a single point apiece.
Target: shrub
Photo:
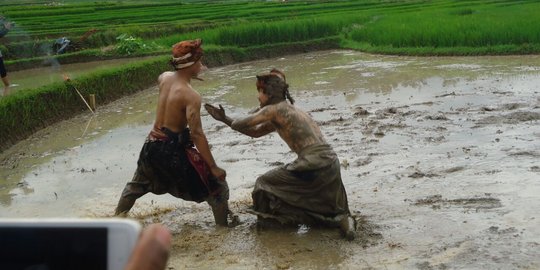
(128, 45)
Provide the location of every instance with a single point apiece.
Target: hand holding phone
(67, 243)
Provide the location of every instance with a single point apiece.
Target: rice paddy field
(447, 148)
(403, 27)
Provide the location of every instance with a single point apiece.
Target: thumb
(152, 249)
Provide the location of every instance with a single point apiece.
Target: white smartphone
(67, 243)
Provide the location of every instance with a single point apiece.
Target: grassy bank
(70, 58)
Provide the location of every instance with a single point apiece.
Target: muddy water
(32, 78)
(440, 159)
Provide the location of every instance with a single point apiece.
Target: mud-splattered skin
(294, 126)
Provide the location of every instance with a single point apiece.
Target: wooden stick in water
(67, 79)
(83, 99)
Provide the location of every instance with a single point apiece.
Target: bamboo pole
(80, 95)
(67, 79)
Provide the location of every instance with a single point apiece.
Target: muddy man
(308, 190)
(169, 161)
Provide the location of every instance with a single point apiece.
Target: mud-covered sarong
(307, 191)
(172, 165)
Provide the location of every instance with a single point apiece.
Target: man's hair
(275, 85)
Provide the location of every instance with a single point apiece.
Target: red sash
(201, 167)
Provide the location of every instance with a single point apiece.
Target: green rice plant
(483, 26)
(72, 17)
(47, 12)
(254, 34)
(275, 32)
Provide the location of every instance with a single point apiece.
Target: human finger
(152, 249)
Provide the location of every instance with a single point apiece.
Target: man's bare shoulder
(284, 107)
(167, 75)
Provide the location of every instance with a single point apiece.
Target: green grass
(254, 34)
(473, 26)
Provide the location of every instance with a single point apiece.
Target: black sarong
(164, 167)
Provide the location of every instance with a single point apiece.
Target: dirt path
(440, 158)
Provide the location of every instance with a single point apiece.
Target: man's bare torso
(175, 95)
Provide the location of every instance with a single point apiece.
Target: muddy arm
(256, 129)
(197, 133)
(255, 125)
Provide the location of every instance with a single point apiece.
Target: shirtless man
(309, 190)
(168, 162)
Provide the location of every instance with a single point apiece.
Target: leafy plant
(128, 45)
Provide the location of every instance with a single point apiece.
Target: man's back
(175, 95)
(295, 126)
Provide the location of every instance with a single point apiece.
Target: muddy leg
(130, 194)
(347, 227)
(220, 209)
(124, 205)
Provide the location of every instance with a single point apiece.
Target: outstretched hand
(218, 114)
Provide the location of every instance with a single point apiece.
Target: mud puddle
(439, 159)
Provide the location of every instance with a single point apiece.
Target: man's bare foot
(348, 228)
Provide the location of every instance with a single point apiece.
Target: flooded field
(440, 159)
(33, 78)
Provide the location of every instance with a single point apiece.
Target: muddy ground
(440, 158)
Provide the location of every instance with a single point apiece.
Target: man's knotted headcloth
(186, 53)
(275, 85)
